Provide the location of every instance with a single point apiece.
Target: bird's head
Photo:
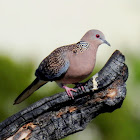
(95, 37)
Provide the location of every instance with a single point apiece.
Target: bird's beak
(104, 41)
(107, 43)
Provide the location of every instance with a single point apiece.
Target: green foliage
(135, 68)
(13, 78)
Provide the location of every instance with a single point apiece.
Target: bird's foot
(80, 86)
(68, 90)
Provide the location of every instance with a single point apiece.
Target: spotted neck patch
(81, 46)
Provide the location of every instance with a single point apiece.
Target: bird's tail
(36, 84)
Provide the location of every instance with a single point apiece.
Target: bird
(69, 64)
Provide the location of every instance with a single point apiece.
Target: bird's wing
(54, 66)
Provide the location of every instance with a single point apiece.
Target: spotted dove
(67, 64)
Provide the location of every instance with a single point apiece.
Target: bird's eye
(97, 35)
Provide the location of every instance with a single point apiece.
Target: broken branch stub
(55, 117)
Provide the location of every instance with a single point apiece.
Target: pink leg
(68, 90)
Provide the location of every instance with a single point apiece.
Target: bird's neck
(90, 52)
(93, 49)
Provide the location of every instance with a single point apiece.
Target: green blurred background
(30, 30)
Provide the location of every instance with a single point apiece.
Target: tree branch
(55, 117)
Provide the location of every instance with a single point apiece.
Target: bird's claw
(68, 90)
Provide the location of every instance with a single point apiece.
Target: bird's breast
(81, 66)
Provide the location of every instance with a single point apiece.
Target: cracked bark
(55, 117)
